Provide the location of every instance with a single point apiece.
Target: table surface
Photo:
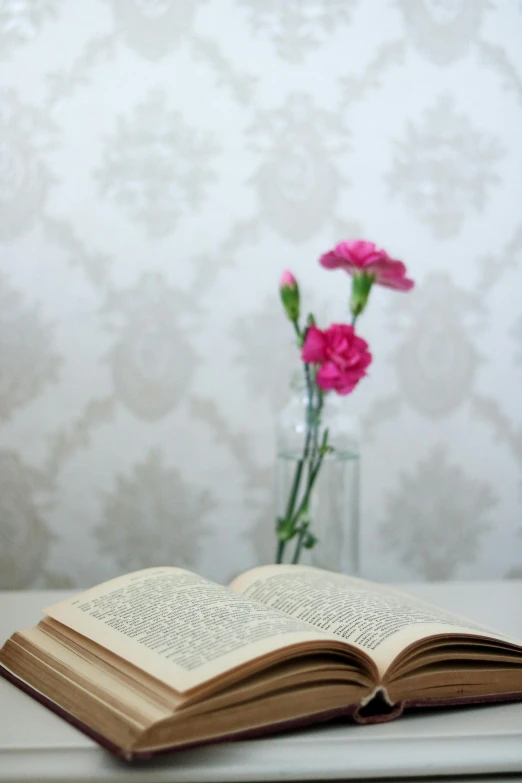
(36, 745)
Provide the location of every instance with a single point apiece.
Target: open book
(163, 659)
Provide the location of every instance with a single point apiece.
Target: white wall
(160, 164)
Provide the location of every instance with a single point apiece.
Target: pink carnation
(343, 357)
(357, 256)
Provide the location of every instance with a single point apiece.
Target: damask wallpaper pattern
(160, 164)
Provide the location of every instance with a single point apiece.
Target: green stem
(319, 408)
(299, 466)
(302, 509)
(312, 478)
(298, 548)
(281, 545)
(295, 488)
(314, 460)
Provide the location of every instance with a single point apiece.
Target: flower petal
(327, 376)
(360, 251)
(331, 260)
(391, 273)
(399, 284)
(314, 348)
(345, 384)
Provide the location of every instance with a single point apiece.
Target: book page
(177, 626)
(372, 617)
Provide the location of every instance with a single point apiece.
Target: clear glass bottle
(331, 510)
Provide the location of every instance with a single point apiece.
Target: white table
(36, 745)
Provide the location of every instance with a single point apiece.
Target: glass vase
(311, 430)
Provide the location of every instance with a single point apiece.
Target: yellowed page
(371, 617)
(179, 627)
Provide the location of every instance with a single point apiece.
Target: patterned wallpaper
(160, 164)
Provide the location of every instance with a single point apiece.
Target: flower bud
(289, 291)
(287, 279)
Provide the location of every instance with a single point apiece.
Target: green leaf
(309, 541)
(286, 529)
(323, 450)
